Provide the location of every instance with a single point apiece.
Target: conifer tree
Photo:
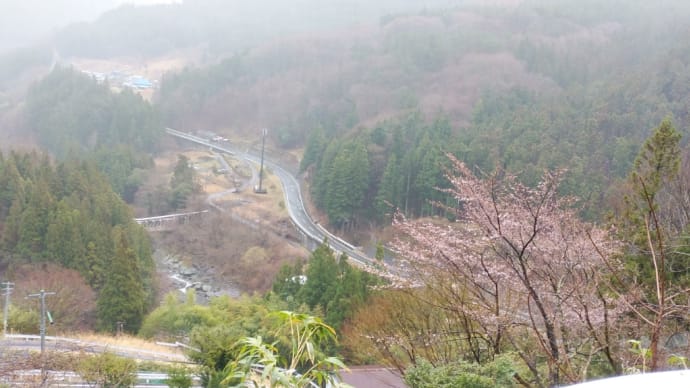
(314, 148)
(63, 239)
(654, 244)
(122, 298)
(323, 178)
(11, 185)
(322, 275)
(388, 196)
(183, 182)
(34, 222)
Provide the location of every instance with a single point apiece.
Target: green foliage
(183, 183)
(405, 176)
(322, 274)
(174, 318)
(108, 370)
(288, 281)
(306, 334)
(22, 320)
(179, 377)
(316, 142)
(333, 286)
(123, 168)
(653, 222)
(232, 319)
(497, 373)
(390, 189)
(68, 214)
(659, 159)
(595, 80)
(380, 252)
(642, 354)
(417, 50)
(343, 181)
(71, 113)
(122, 298)
(678, 361)
(592, 126)
(11, 184)
(655, 170)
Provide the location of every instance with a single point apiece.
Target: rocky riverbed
(184, 275)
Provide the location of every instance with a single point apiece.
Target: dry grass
(124, 341)
(270, 206)
(225, 250)
(211, 188)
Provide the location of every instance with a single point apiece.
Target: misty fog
(215, 143)
(24, 21)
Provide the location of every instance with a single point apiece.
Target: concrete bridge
(168, 221)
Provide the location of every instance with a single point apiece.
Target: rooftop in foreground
(372, 377)
(670, 379)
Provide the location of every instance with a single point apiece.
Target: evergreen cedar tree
(67, 214)
(653, 221)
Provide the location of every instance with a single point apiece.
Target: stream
(184, 277)
(195, 276)
(178, 278)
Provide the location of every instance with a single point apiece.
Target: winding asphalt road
(293, 198)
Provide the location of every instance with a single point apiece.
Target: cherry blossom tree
(520, 264)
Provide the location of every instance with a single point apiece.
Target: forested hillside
(62, 214)
(67, 214)
(529, 159)
(221, 27)
(71, 114)
(526, 86)
(540, 85)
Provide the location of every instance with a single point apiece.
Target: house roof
(372, 377)
(670, 379)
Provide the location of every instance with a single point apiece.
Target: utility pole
(261, 190)
(42, 295)
(7, 292)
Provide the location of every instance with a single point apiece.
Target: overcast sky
(24, 21)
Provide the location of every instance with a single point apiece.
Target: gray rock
(188, 271)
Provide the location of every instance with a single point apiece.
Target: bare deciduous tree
(74, 304)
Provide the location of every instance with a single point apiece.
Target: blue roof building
(140, 82)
